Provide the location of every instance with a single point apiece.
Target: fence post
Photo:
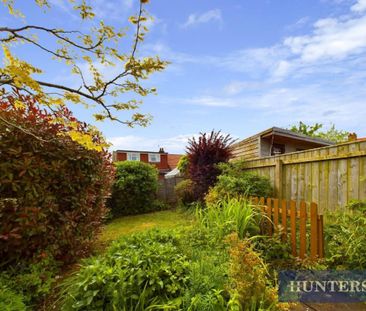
(278, 179)
(269, 215)
(284, 219)
(313, 231)
(320, 237)
(275, 214)
(302, 229)
(293, 226)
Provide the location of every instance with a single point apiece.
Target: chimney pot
(352, 137)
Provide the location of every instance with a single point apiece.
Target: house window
(278, 149)
(154, 157)
(133, 156)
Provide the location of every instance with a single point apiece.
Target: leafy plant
(52, 189)
(248, 276)
(274, 250)
(183, 165)
(32, 280)
(134, 190)
(203, 155)
(235, 181)
(185, 192)
(357, 206)
(9, 300)
(230, 215)
(345, 240)
(209, 260)
(332, 134)
(140, 272)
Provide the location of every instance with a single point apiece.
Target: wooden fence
(329, 176)
(300, 223)
(166, 191)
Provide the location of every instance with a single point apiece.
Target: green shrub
(230, 215)
(345, 240)
(134, 190)
(235, 181)
(357, 206)
(143, 270)
(183, 165)
(274, 250)
(9, 300)
(185, 192)
(52, 189)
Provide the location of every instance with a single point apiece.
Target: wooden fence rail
(329, 176)
(297, 222)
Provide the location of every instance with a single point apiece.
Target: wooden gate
(299, 222)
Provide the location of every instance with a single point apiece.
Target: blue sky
(237, 66)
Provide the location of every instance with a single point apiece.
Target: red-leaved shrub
(52, 190)
(203, 156)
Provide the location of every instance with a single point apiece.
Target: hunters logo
(322, 286)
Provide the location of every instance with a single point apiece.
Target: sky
(236, 66)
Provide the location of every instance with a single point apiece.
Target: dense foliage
(230, 215)
(191, 268)
(10, 300)
(345, 240)
(137, 272)
(52, 189)
(134, 190)
(31, 280)
(183, 165)
(204, 154)
(234, 181)
(331, 134)
(185, 192)
(249, 276)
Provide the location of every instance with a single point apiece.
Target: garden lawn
(130, 224)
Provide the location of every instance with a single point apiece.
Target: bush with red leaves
(52, 190)
(203, 156)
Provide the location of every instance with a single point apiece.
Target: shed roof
(290, 134)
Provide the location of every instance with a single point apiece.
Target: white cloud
(359, 6)
(175, 144)
(251, 60)
(212, 101)
(332, 38)
(211, 15)
(282, 69)
(298, 24)
(236, 87)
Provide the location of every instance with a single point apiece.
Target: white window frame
(133, 156)
(157, 160)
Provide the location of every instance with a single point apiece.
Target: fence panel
(166, 192)
(329, 176)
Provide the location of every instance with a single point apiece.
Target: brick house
(163, 161)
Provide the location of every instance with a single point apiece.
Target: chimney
(161, 150)
(352, 137)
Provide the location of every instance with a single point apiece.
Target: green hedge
(52, 189)
(134, 189)
(235, 181)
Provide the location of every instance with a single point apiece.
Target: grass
(130, 224)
